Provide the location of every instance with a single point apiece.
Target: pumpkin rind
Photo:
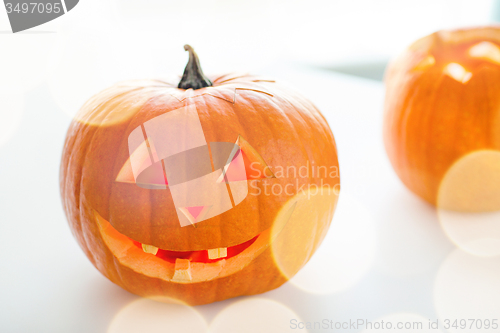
(441, 104)
(284, 128)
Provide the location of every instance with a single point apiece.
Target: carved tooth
(220, 252)
(150, 249)
(182, 270)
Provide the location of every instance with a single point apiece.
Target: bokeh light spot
(411, 241)
(254, 315)
(469, 203)
(301, 226)
(468, 286)
(145, 315)
(346, 254)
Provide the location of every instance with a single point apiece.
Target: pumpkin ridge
(77, 192)
(150, 201)
(94, 129)
(99, 106)
(120, 143)
(80, 206)
(233, 101)
(231, 79)
(65, 184)
(238, 118)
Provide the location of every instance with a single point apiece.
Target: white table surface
(385, 255)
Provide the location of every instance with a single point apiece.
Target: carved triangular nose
(195, 211)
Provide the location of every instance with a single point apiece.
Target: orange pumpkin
(441, 104)
(197, 193)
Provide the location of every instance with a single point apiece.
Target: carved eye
(457, 72)
(204, 180)
(425, 63)
(486, 51)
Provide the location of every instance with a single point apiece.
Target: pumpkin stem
(193, 76)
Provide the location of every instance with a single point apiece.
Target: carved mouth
(204, 256)
(181, 266)
(292, 242)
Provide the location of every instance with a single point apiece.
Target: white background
(386, 255)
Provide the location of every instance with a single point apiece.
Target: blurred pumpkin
(192, 193)
(441, 104)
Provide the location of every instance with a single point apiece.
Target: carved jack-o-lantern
(200, 192)
(441, 105)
